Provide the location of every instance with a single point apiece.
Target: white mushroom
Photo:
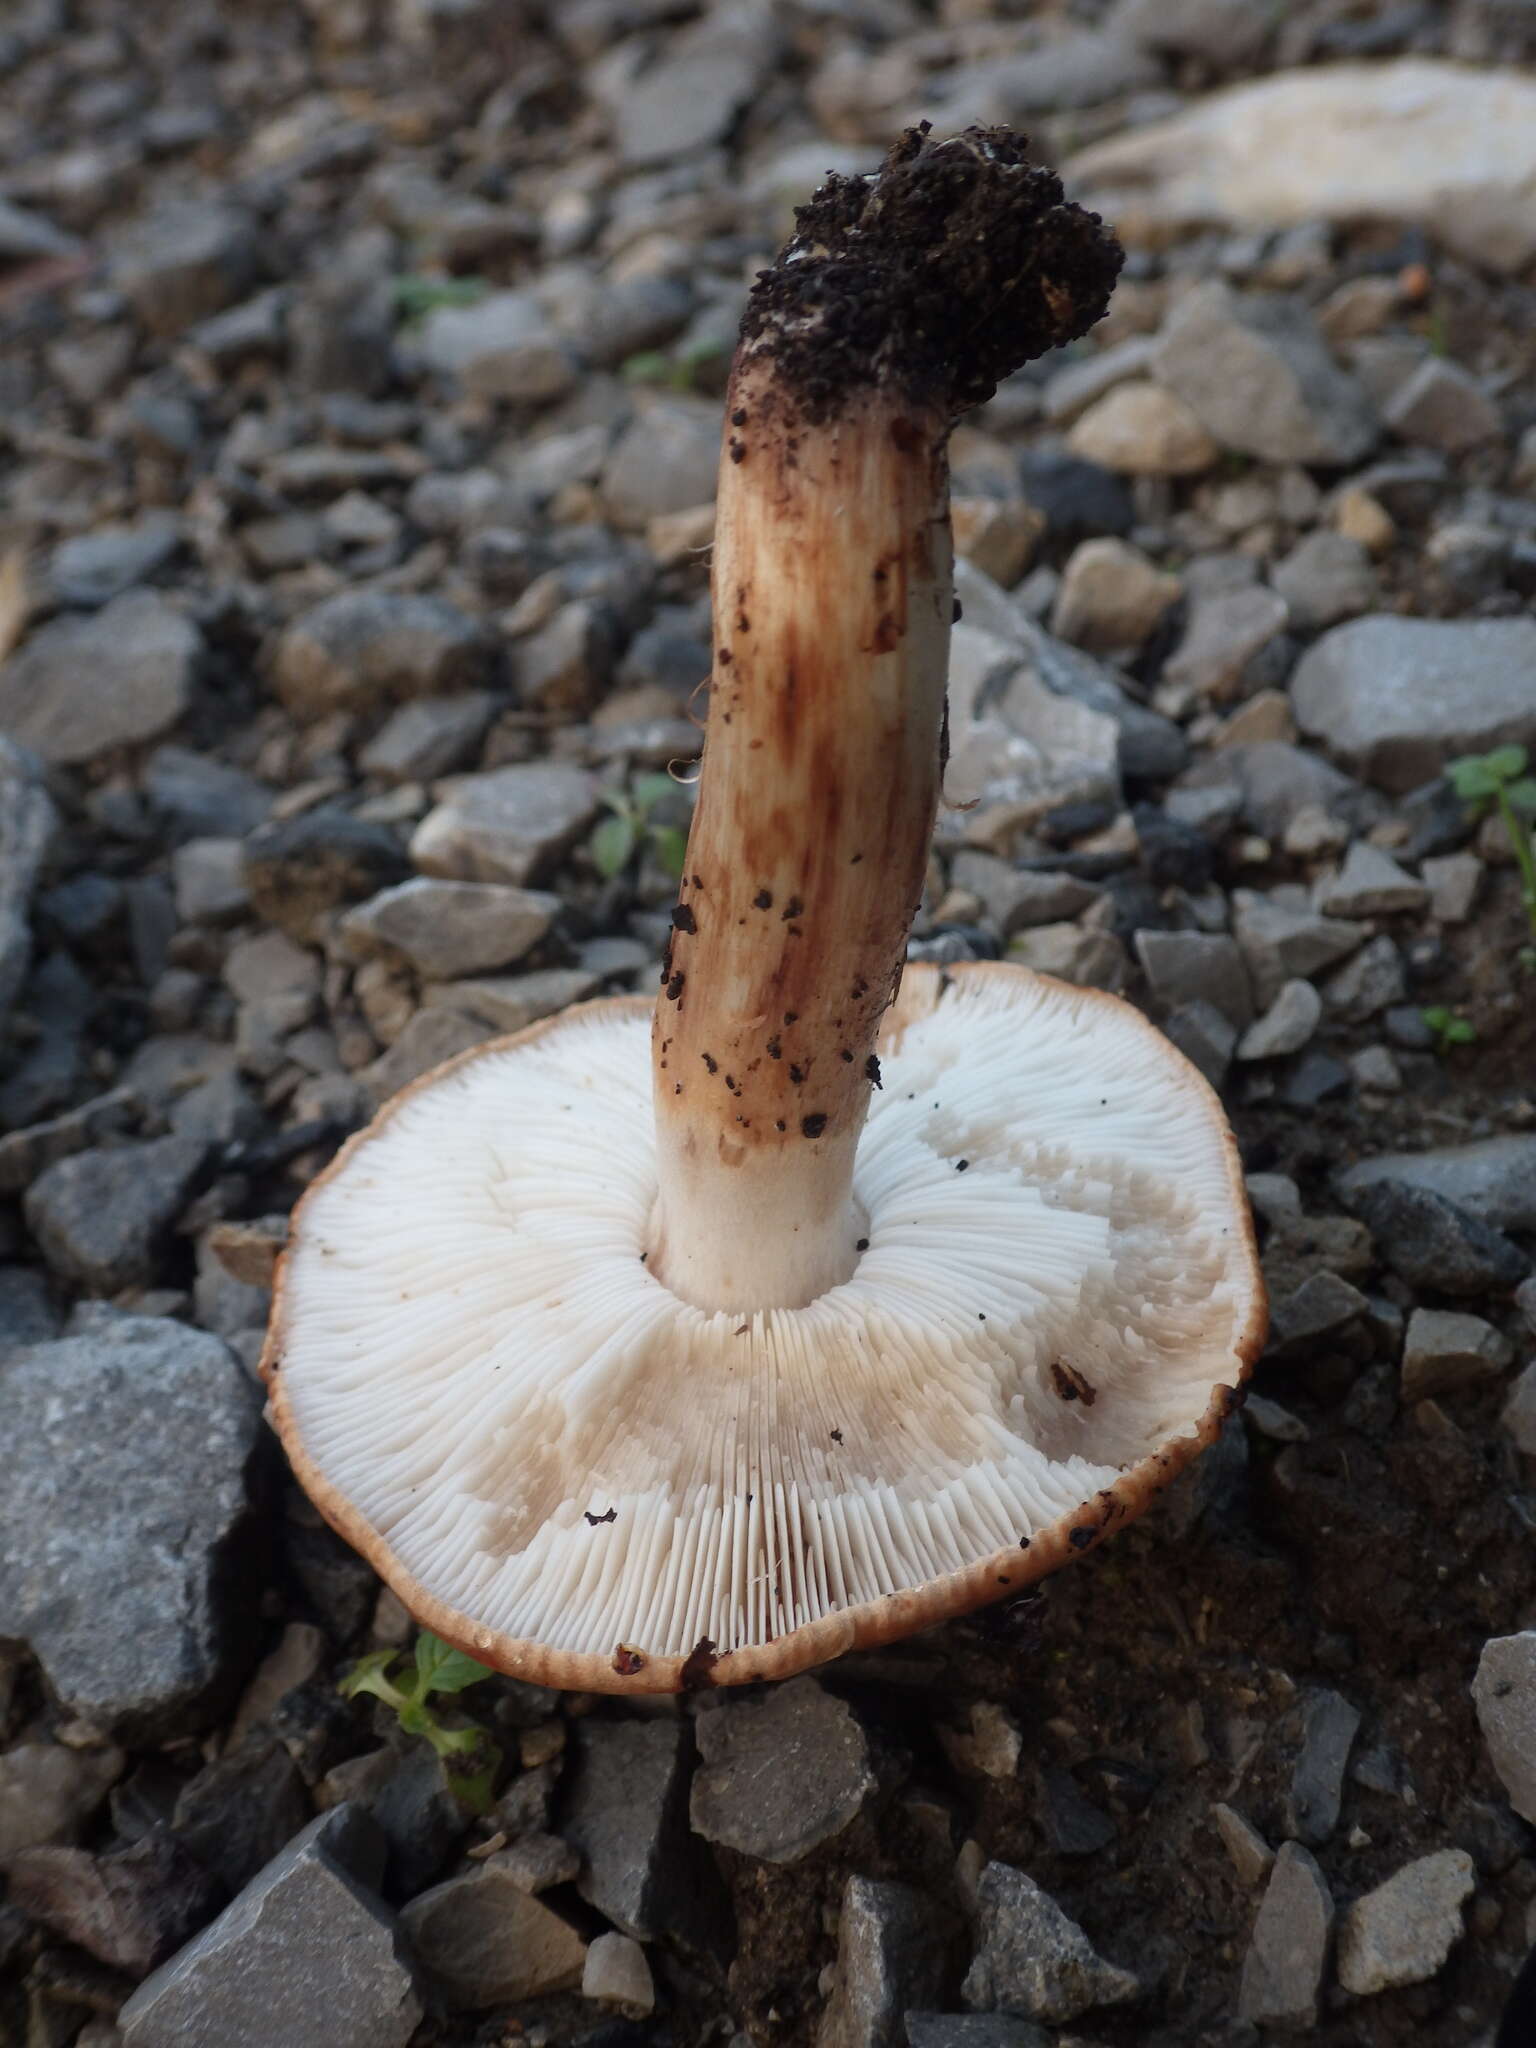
(639, 1353)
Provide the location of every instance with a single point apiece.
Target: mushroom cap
(584, 1481)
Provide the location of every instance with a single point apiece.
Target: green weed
(435, 1667)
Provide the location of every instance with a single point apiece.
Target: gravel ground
(360, 378)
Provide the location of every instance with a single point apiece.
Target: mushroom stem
(833, 594)
(901, 300)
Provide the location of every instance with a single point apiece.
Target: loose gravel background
(360, 375)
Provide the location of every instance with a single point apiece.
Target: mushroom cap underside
(586, 1482)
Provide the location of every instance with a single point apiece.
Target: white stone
(1142, 430)
(617, 1973)
(1411, 141)
(1402, 1932)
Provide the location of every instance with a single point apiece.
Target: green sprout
(435, 1668)
(1449, 1029)
(419, 293)
(1500, 782)
(618, 838)
(683, 371)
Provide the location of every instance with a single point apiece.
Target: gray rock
(406, 1792)
(25, 237)
(366, 647)
(209, 876)
(1275, 782)
(127, 1456)
(1444, 1352)
(91, 569)
(974, 2030)
(1432, 1242)
(1252, 1857)
(1369, 983)
(622, 317)
(510, 825)
(1504, 1693)
(48, 1793)
(1031, 1959)
(1220, 32)
(664, 461)
(307, 1955)
(626, 1811)
(511, 1002)
(443, 929)
(83, 686)
(429, 737)
(256, 328)
(890, 1956)
(1070, 390)
(1111, 596)
(238, 1811)
(130, 1907)
(1326, 577)
(1328, 1728)
(430, 1038)
(1204, 1036)
(27, 826)
(1088, 959)
(1322, 1304)
(539, 1861)
(101, 1217)
(483, 1940)
(1403, 1931)
(501, 347)
(690, 97)
(1018, 747)
(1519, 1417)
(26, 1154)
(1285, 1026)
(1258, 375)
(1150, 746)
(781, 1775)
(1453, 880)
(1184, 967)
(300, 869)
(1494, 1178)
(1442, 406)
(617, 1973)
(1371, 884)
(27, 1314)
(567, 665)
(1222, 635)
(1397, 698)
(1282, 944)
(1288, 1953)
(1016, 898)
(200, 797)
(184, 262)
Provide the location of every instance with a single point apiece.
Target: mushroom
(697, 1342)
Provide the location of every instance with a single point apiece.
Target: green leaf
(474, 1790)
(649, 367)
(454, 1741)
(1471, 778)
(417, 295)
(1436, 1016)
(1521, 796)
(368, 1676)
(1460, 1032)
(1506, 764)
(443, 1668)
(671, 848)
(612, 844)
(647, 791)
